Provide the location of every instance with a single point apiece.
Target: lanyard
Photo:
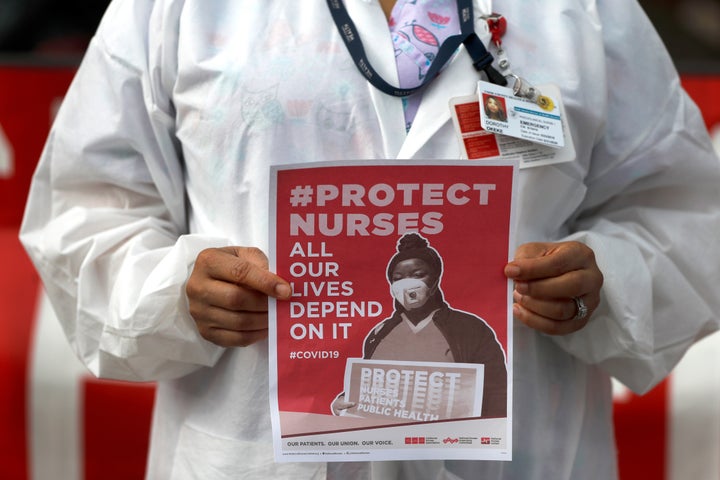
(482, 59)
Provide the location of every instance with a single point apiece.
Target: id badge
(500, 137)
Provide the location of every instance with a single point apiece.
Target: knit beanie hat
(412, 245)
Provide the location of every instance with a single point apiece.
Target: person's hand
(339, 405)
(548, 278)
(228, 293)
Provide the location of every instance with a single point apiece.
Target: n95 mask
(410, 292)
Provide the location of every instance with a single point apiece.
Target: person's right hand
(228, 293)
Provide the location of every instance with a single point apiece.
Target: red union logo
(414, 440)
(451, 440)
(485, 441)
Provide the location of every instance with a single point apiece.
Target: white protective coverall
(162, 148)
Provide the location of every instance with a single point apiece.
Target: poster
(396, 343)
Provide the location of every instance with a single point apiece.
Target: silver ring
(582, 309)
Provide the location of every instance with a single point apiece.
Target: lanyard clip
(482, 59)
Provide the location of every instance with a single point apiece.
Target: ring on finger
(581, 309)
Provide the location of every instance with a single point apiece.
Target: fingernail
(512, 271)
(282, 291)
(516, 296)
(521, 288)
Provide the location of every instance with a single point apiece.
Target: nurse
(147, 218)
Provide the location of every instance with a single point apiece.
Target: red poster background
(473, 245)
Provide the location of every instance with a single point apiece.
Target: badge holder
(513, 122)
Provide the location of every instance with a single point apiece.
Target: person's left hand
(548, 277)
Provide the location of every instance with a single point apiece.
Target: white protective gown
(162, 149)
